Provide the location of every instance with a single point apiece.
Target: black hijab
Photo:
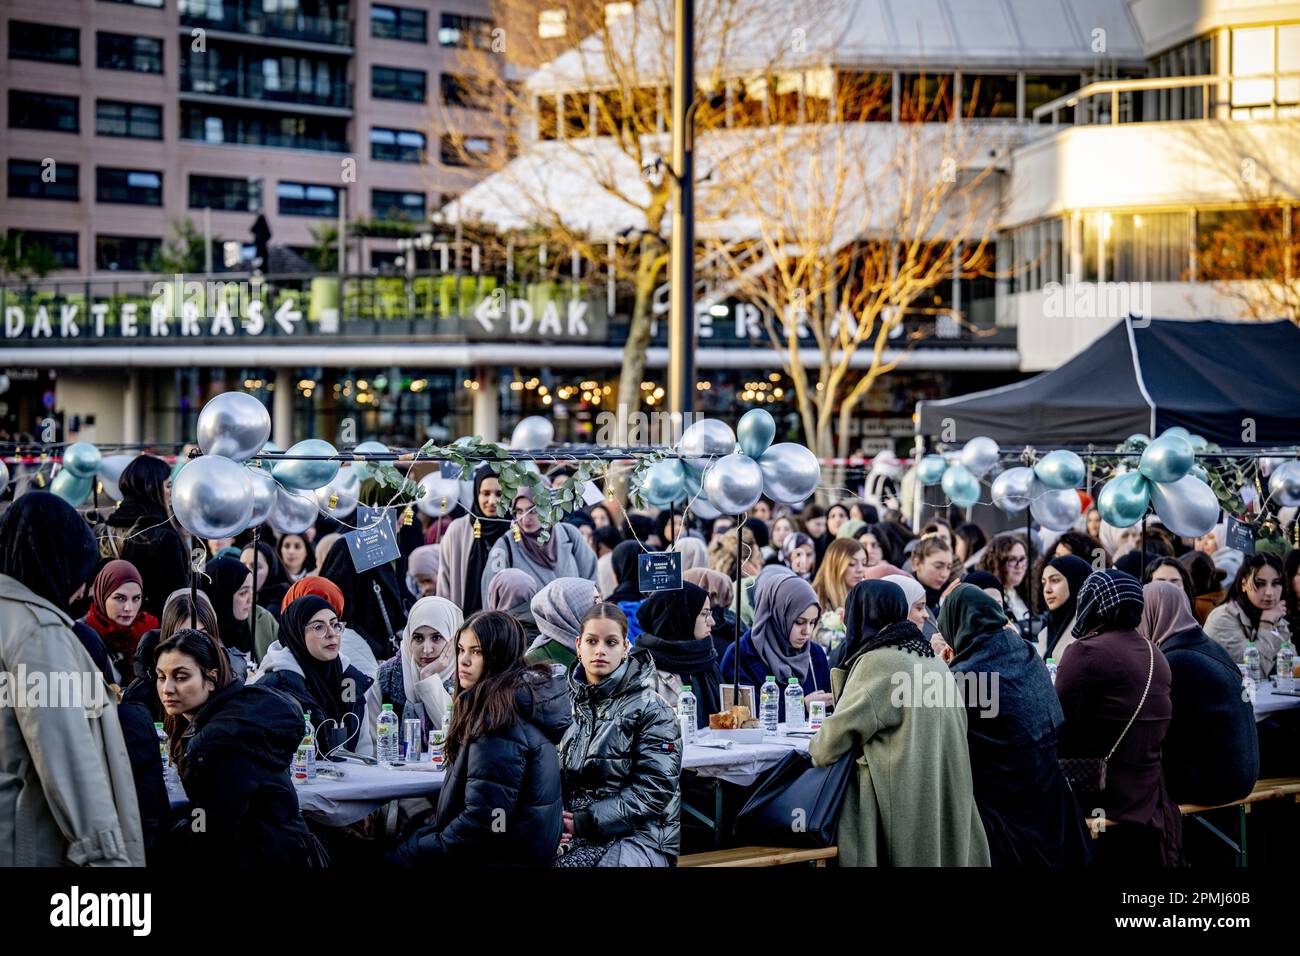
(376, 617)
(623, 562)
(1076, 571)
(667, 620)
(479, 548)
(47, 547)
(324, 679)
(870, 608)
(1109, 600)
(223, 577)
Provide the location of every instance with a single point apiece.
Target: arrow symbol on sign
(286, 315)
(486, 311)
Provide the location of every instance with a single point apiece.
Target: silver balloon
(533, 433)
(734, 484)
(1011, 489)
(708, 439)
(1266, 465)
(235, 425)
(264, 488)
(791, 473)
(664, 483)
(701, 507)
(362, 468)
(979, 455)
(755, 432)
(339, 498)
(212, 497)
(4, 477)
(1283, 484)
(269, 462)
(110, 472)
(1054, 509)
(294, 511)
(70, 488)
(437, 496)
(82, 459)
(1187, 507)
(307, 475)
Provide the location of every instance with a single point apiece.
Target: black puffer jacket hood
(545, 703)
(259, 723)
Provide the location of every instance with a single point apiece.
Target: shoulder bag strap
(1150, 673)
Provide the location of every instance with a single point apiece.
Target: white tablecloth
(740, 764)
(339, 802)
(1267, 701)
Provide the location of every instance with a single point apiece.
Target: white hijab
(430, 694)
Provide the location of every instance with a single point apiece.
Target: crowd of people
(557, 680)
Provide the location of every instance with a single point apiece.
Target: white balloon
(734, 484)
(1011, 489)
(979, 455)
(706, 441)
(1283, 484)
(1055, 510)
(437, 496)
(533, 433)
(1188, 506)
(4, 477)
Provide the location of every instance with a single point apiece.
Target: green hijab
(967, 615)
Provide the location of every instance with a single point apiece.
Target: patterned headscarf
(1109, 600)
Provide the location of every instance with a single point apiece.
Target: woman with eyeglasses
(420, 681)
(305, 664)
(1007, 558)
(565, 554)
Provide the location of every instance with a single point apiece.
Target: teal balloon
(693, 481)
(82, 459)
(1124, 500)
(1059, 470)
(360, 468)
(181, 462)
(1178, 430)
(1198, 471)
(930, 470)
(1199, 444)
(266, 464)
(755, 432)
(664, 483)
(70, 488)
(961, 486)
(1167, 459)
(306, 475)
(1137, 439)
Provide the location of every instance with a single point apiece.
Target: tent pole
(1029, 565)
(735, 664)
(1144, 549)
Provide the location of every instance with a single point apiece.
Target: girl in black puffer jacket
(622, 757)
(501, 801)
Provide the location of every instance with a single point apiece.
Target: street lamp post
(681, 316)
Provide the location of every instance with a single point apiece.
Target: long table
(1269, 701)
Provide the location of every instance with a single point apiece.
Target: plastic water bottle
(794, 716)
(308, 746)
(686, 714)
(388, 733)
(1286, 668)
(171, 779)
(769, 707)
(446, 717)
(1252, 663)
(1051, 669)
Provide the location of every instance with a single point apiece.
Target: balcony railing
(290, 25)
(252, 85)
(1113, 102)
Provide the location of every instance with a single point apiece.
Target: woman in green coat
(897, 705)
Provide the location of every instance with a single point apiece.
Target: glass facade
(127, 253)
(391, 83)
(120, 51)
(58, 114)
(30, 179)
(132, 120)
(466, 32)
(39, 41)
(397, 145)
(131, 187)
(307, 199)
(225, 193)
(399, 23)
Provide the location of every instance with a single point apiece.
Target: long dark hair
(995, 561)
(1183, 575)
(209, 656)
(489, 706)
(1260, 559)
(143, 479)
(1290, 568)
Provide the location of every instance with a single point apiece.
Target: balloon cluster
(721, 472)
(83, 465)
(1166, 478)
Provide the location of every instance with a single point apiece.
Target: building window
(1240, 244)
(465, 151)
(1147, 247)
(118, 51)
(29, 179)
(38, 41)
(466, 32)
(62, 246)
(397, 145)
(389, 83)
(988, 96)
(464, 92)
(59, 114)
(226, 193)
(131, 187)
(127, 253)
(392, 204)
(399, 23)
(864, 97)
(306, 199)
(925, 97)
(617, 11)
(553, 24)
(132, 120)
(547, 120)
(209, 124)
(157, 4)
(1040, 89)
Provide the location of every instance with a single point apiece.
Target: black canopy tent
(1207, 375)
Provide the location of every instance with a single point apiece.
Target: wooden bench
(759, 856)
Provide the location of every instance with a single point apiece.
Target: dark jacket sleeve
(652, 783)
(221, 790)
(146, 767)
(494, 776)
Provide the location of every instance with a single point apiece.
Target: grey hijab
(558, 609)
(781, 599)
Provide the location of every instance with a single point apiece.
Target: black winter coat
(625, 751)
(328, 739)
(155, 548)
(514, 771)
(235, 769)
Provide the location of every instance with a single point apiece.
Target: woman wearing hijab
(1111, 677)
(1062, 578)
(695, 553)
(229, 586)
(558, 609)
(305, 664)
(115, 613)
(627, 592)
(69, 797)
(563, 555)
(1013, 719)
(1211, 753)
(911, 801)
(354, 646)
(468, 542)
(512, 591)
(799, 554)
(271, 580)
(422, 571)
(420, 681)
(780, 643)
(373, 604)
(719, 587)
(675, 629)
(140, 530)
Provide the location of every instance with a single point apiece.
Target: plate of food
(736, 724)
